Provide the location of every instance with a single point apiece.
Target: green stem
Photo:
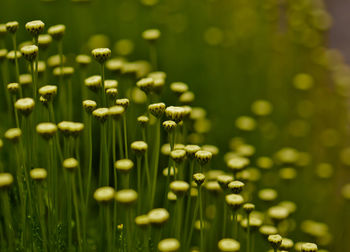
(76, 208)
(192, 225)
(225, 221)
(8, 220)
(14, 43)
(34, 81)
(248, 233)
(88, 182)
(120, 141)
(188, 204)
(201, 218)
(125, 136)
(103, 91)
(138, 164)
(155, 160)
(40, 192)
(235, 224)
(69, 212)
(108, 229)
(15, 111)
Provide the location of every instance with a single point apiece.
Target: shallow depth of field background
(232, 53)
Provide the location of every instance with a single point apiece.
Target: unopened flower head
(145, 84)
(178, 155)
(66, 72)
(12, 26)
(175, 113)
(237, 163)
(38, 174)
(191, 150)
(13, 88)
(124, 165)
(275, 240)
(213, 187)
(224, 180)
(35, 27)
(187, 98)
(57, 31)
(211, 148)
(287, 244)
(89, 106)
(114, 65)
(101, 55)
(111, 84)
(44, 41)
(309, 247)
(3, 54)
(116, 112)
(47, 130)
(93, 82)
(157, 109)
(124, 102)
(6, 180)
(261, 107)
(234, 201)
(171, 196)
(13, 134)
(267, 230)
(151, 35)
(101, 114)
(158, 216)
(112, 93)
(178, 87)
(83, 60)
(143, 120)
(12, 55)
(228, 245)
(25, 105)
(179, 187)
(170, 171)
(104, 194)
(169, 245)
(198, 178)
(139, 147)
(3, 30)
(126, 196)
(267, 194)
(169, 126)
(55, 60)
(236, 186)
(70, 164)
(48, 91)
(203, 157)
(30, 52)
(248, 207)
(142, 221)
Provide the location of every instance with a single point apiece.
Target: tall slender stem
(201, 218)
(76, 208)
(125, 136)
(155, 160)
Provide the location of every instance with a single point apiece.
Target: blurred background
(292, 53)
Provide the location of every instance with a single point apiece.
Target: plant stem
(138, 164)
(155, 160)
(125, 136)
(69, 212)
(248, 233)
(201, 218)
(103, 91)
(120, 141)
(14, 43)
(8, 220)
(76, 208)
(40, 192)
